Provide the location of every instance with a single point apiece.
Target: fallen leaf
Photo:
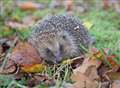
(87, 63)
(26, 22)
(113, 75)
(28, 6)
(116, 84)
(92, 73)
(69, 5)
(25, 56)
(82, 81)
(31, 6)
(85, 76)
(33, 68)
(15, 25)
(88, 24)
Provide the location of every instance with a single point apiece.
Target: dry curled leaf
(25, 56)
(31, 6)
(28, 6)
(86, 64)
(91, 73)
(82, 81)
(116, 84)
(85, 76)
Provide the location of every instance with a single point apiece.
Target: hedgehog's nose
(58, 60)
(58, 57)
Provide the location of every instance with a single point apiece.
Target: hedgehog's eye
(64, 37)
(47, 50)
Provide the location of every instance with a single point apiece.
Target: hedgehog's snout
(58, 57)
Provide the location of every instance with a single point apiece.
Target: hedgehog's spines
(52, 26)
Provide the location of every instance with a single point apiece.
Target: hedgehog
(60, 37)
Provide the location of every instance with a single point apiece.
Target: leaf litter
(97, 69)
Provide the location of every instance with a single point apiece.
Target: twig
(77, 57)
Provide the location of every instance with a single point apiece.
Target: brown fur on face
(56, 46)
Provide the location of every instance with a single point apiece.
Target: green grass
(106, 28)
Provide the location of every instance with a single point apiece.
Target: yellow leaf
(69, 61)
(88, 24)
(34, 68)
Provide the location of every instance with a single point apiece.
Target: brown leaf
(13, 24)
(87, 63)
(116, 84)
(82, 81)
(69, 5)
(26, 22)
(24, 54)
(25, 57)
(28, 6)
(91, 73)
(85, 76)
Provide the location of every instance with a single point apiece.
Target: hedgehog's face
(55, 49)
